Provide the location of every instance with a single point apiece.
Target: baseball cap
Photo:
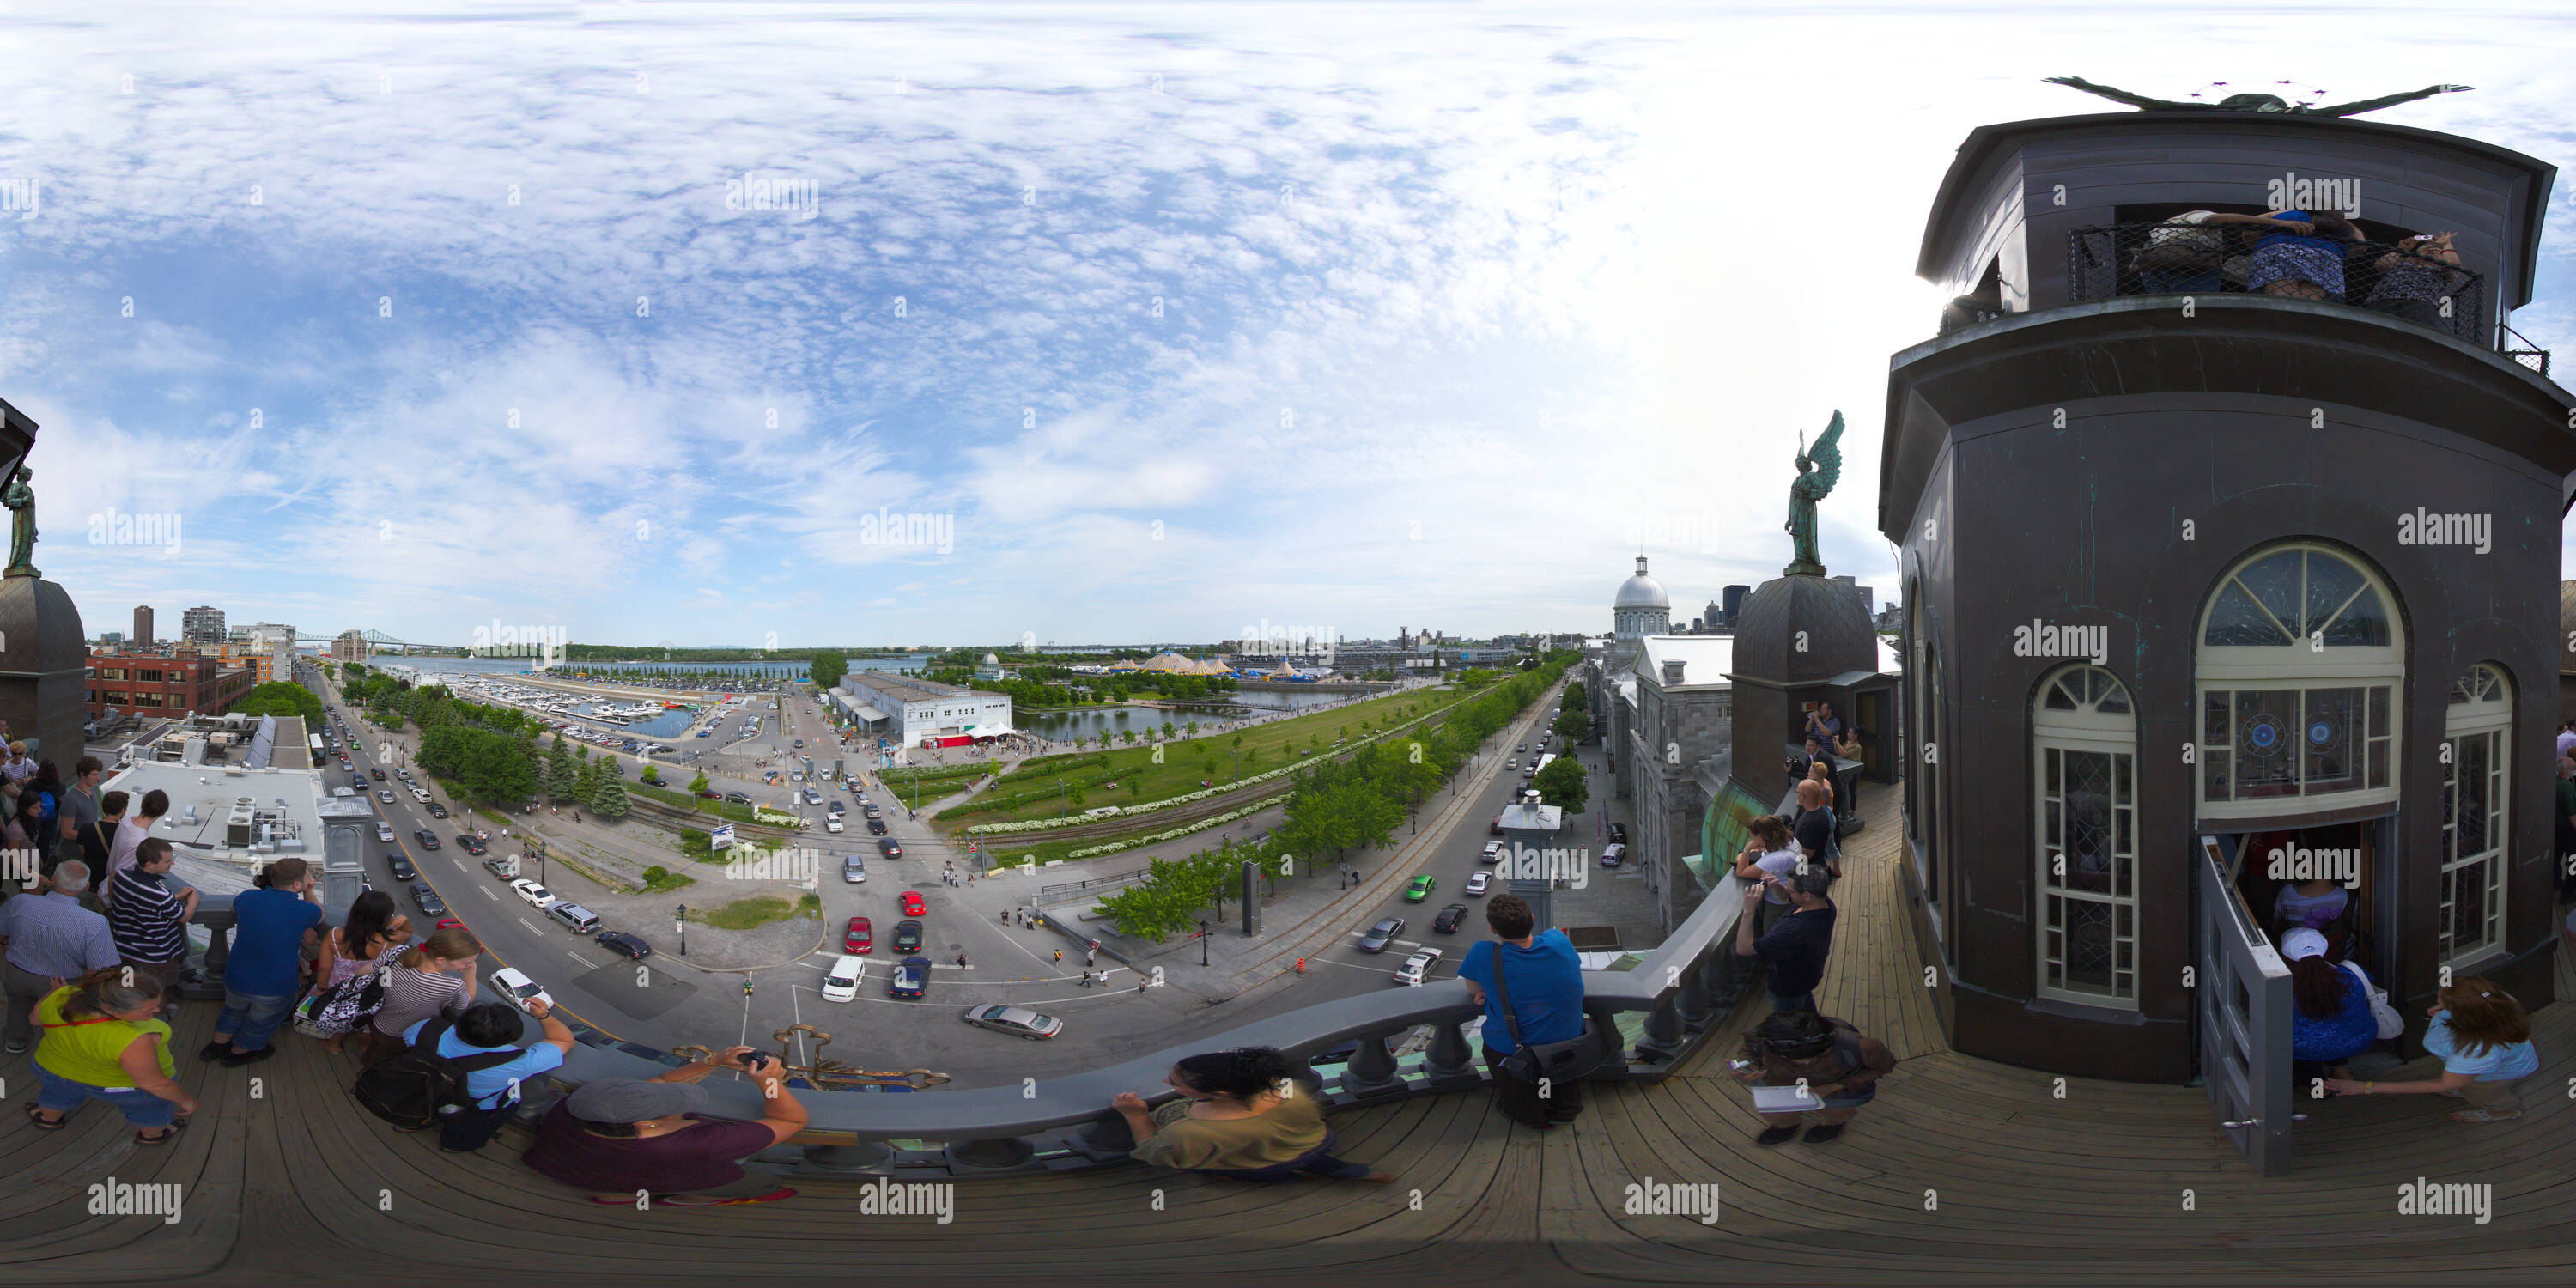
(629, 1100)
(2301, 943)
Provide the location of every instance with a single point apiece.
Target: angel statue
(2253, 102)
(21, 501)
(1818, 469)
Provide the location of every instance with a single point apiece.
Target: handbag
(2391, 1024)
(349, 1005)
(1564, 1061)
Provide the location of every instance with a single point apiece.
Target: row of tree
(1342, 805)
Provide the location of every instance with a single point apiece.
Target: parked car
(1515, 764)
(1619, 834)
(1014, 1021)
(537, 896)
(1493, 853)
(912, 979)
(402, 868)
(437, 810)
(1417, 967)
(887, 847)
(842, 983)
(1420, 889)
(1495, 828)
(468, 842)
(858, 937)
(833, 824)
(737, 798)
(710, 794)
(839, 808)
(618, 941)
(1613, 855)
(428, 839)
(1479, 882)
(1449, 919)
(1375, 940)
(384, 831)
(512, 983)
(907, 936)
(427, 900)
(578, 919)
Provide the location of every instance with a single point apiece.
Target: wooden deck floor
(1963, 1171)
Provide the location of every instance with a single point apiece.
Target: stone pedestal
(1792, 636)
(44, 669)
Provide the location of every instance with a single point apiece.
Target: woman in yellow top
(1240, 1115)
(102, 1042)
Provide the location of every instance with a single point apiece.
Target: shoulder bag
(1565, 1061)
(2389, 1021)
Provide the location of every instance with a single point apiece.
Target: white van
(842, 985)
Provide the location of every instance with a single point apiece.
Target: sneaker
(232, 1060)
(1776, 1135)
(17, 1048)
(215, 1050)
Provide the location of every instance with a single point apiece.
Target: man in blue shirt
(49, 940)
(1546, 980)
(484, 1028)
(266, 969)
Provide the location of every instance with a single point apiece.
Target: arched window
(2478, 731)
(2300, 657)
(2085, 732)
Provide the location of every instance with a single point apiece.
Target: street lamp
(1203, 957)
(684, 928)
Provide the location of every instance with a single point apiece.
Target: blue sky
(1331, 317)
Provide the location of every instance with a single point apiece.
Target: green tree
(827, 669)
(563, 773)
(1562, 784)
(699, 783)
(279, 698)
(652, 774)
(1574, 725)
(609, 799)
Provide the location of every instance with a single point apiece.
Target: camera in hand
(752, 1060)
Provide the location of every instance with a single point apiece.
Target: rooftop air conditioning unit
(238, 826)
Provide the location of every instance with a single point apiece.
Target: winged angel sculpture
(1819, 468)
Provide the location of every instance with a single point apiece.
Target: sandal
(34, 1111)
(2482, 1116)
(176, 1126)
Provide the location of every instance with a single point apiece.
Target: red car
(859, 938)
(912, 903)
(1495, 828)
(451, 924)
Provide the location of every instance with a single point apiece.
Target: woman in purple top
(2301, 256)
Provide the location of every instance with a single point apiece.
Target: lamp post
(1203, 949)
(684, 930)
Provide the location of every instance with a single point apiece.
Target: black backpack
(414, 1087)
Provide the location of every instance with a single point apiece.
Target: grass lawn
(758, 910)
(1185, 762)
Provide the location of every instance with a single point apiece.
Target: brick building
(155, 684)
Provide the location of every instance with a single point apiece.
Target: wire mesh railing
(2422, 286)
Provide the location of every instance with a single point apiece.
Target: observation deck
(1962, 1171)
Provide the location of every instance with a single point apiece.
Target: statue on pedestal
(1819, 468)
(21, 502)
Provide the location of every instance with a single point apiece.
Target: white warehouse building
(918, 713)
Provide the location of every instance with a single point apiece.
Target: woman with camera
(616, 1136)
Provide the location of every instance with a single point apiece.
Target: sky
(789, 325)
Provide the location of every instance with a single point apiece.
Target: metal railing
(2112, 260)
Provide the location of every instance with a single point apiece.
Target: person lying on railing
(2193, 253)
(618, 1136)
(1831, 1060)
(1241, 1113)
(2417, 278)
(2301, 255)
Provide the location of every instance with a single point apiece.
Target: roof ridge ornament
(2268, 103)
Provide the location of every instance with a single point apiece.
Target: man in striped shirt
(150, 926)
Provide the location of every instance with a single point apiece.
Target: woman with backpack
(433, 977)
(1837, 1065)
(358, 946)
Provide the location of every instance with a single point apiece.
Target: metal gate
(2243, 1009)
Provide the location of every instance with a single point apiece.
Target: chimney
(1672, 673)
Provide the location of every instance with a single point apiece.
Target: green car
(1419, 890)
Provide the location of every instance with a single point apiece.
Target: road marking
(577, 957)
(487, 893)
(532, 925)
